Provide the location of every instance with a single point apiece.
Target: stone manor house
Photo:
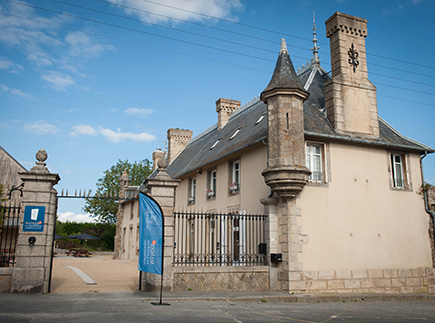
(305, 189)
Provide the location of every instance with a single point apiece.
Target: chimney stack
(224, 108)
(350, 98)
(157, 154)
(177, 140)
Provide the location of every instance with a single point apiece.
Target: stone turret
(286, 173)
(350, 98)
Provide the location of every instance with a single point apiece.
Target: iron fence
(9, 222)
(210, 239)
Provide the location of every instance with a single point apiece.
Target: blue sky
(94, 82)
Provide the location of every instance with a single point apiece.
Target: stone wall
(5, 279)
(221, 278)
(375, 281)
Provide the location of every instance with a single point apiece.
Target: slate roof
(199, 152)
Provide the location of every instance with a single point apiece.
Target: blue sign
(150, 235)
(34, 217)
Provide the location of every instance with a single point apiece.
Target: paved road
(136, 307)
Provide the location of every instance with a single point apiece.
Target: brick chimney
(157, 154)
(224, 108)
(350, 98)
(177, 140)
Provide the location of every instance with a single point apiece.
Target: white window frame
(211, 191)
(192, 190)
(310, 160)
(235, 177)
(398, 182)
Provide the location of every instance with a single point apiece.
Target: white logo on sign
(34, 214)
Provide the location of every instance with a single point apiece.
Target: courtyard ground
(110, 275)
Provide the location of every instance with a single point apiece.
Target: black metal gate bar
(214, 239)
(9, 216)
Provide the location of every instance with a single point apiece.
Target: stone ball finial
(163, 162)
(41, 155)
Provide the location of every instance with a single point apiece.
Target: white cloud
(119, 136)
(75, 217)
(216, 8)
(15, 92)
(21, 93)
(9, 66)
(40, 128)
(57, 80)
(83, 130)
(138, 112)
(44, 44)
(83, 45)
(4, 87)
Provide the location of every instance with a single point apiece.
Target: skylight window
(261, 118)
(235, 133)
(215, 144)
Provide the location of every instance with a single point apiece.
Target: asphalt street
(136, 307)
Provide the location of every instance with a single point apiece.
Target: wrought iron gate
(9, 219)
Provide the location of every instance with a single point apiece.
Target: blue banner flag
(150, 235)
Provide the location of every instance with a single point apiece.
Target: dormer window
(261, 118)
(235, 133)
(215, 144)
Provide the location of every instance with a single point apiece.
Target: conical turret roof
(284, 75)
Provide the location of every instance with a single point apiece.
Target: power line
(401, 79)
(137, 43)
(163, 26)
(402, 99)
(404, 88)
(220, 39)
(142, 32)
(274, 31)
(195, 56)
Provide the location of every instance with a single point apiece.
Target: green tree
(424, 188)
(104, 210)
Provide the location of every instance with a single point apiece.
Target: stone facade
(162, 189)
(177, 140)
(224, 108)
(350, 98)
(221, 278)
(431, 198)
(377, 281)
(32, 272)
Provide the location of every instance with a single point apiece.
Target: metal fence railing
(9, 221)
(210, 239)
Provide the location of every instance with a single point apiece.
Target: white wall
(358, 221)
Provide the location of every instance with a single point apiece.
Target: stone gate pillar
(162, 189)
(36, 229)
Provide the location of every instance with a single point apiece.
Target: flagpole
(163, 253)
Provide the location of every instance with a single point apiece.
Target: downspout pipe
(426, 203)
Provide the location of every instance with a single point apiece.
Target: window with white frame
(315, 162)
(398, 170)
(192, 191)
(235, 177)
(212, 179)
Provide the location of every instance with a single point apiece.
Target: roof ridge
(245, 106)
(202, 134)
